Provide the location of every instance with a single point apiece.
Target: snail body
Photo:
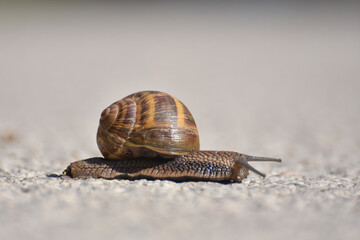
(153, 135)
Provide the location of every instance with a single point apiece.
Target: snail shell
(153, 135)
(147, 124)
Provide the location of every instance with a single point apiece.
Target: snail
(152, 135)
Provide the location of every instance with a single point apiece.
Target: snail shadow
(53, 175)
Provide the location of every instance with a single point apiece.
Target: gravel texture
(274, 80)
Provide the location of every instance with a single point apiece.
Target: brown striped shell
(147, 124)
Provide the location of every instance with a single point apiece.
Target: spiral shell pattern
(147, 124)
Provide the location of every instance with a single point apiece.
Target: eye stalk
(244, 159)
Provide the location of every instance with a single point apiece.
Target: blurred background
(268, 78)
(273, 78)
(256, 76)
